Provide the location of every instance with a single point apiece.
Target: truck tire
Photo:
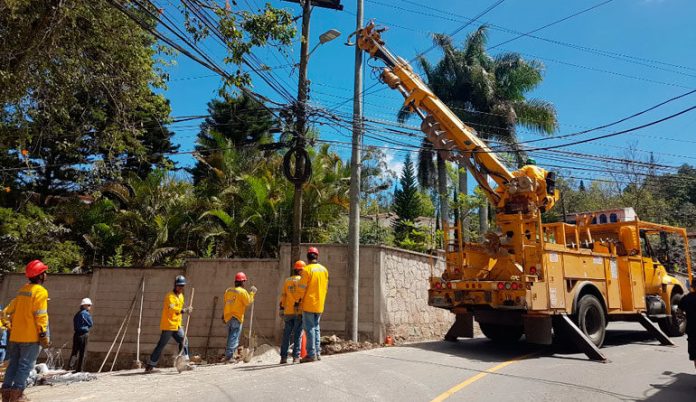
(674, 325)
(502, 333)
(591, 320)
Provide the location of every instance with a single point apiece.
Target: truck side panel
(637, 282)
(611, 267)
(554, 278)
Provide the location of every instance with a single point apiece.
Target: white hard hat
(85, 301)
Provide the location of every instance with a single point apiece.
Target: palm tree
(487, 93)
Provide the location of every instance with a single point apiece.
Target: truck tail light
(438, 285)
(449, 285)
(507, 286)
(514, 286)
(533, 270)
(501, 286)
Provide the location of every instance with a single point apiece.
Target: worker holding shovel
(170, 323)
(236, 301)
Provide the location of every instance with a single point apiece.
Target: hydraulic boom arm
(452, 138)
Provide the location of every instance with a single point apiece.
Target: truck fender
(587, 287)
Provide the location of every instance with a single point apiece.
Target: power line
(551, 24)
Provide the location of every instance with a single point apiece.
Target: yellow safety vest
(29, 311)
(171, 311)
(291, 295)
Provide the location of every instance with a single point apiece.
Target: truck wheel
(674, 325)
(502, 333)
(591, 320)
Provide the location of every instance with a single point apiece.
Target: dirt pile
(331, 345)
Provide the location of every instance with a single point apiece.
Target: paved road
(474, 369)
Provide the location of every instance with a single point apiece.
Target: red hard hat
(35, 268)
(240, 277)
(313, 250)
(299, 264)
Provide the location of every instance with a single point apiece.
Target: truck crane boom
(456, 141)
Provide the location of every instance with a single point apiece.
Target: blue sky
(587, 89)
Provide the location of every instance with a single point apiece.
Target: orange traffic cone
(303, 348)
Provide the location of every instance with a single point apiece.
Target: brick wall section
(393, 300)
(65, 292)
(408, 315)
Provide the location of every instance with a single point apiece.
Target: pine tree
(407, 202)
(581, 187)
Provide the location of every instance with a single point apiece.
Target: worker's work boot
(284, 360)
(318, 356)
(149, 368)
(295, 360)
(17, 395)
(5, 394)
(308, 359)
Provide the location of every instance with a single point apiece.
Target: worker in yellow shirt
(170, 323)
(313, 286)
(236, 301)
(29, 322)
(291, 313)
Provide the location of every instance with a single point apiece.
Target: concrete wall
(393, 300)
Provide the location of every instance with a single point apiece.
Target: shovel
(248, 353)
(181, 363)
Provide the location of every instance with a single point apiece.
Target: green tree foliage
(237, 124)
(407, 201)
(76, 88)
(31, 233)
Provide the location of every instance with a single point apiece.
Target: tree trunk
(483, 218)
(442, 189)
(464, 189)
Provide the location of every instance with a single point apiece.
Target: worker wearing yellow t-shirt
(313, 285)
(236, 301)
(170, 322)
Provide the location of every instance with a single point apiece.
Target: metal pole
(354, 217)
(300, 129)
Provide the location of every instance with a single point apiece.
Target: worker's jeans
(293, 328)
(234, 329)
(3, 351)
(164, 340)
(310, 321)
(22, 358)
(79, 348)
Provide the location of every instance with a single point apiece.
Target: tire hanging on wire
(300, 154)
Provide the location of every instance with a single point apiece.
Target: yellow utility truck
(531, 278)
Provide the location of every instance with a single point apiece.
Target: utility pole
(301, 122)
(300, 128)
(355, 167)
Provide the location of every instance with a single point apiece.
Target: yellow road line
(475, 378)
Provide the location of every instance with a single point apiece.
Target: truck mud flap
(580, 340)
(537, 330)
(654, 330)
(463, 327)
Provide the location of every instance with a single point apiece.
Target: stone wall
(406, 279)
(393, 301)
